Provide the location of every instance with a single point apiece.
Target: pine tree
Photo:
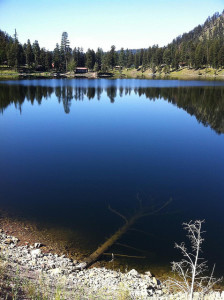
(112, 57)
(144, 61)
(56, 57)
(221, 57)
(5, 40)
(167, 56)
(137, 60)
(14, 52)
(43, 57)
(98, 57)
(130, 62)
(215, 50)
(90, 59)
(36, 53)
(65, 50)
(121, 60)
(48, 60)
(29, 54)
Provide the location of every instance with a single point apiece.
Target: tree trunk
(109, 242)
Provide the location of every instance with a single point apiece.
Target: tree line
(201, 47)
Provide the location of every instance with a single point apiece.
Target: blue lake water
(70, 148)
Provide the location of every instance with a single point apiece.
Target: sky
(101, 23)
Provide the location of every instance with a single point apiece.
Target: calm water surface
(70, 148)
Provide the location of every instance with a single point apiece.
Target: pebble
(54, 267)
(36, 252)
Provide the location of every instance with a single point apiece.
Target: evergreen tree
(176, 60)
(130, 62)
(5, 40)
(98, 57)
(57, 57)
(43, 57)
(112, 57)
(36, 53)
(29, 54)
(121, 60)
(105, 63)
(137, 60)
(48, 60)
(144, 61)
(141, 53)
(221, 57)
(65, 50)
(14, 52)
(215, 52)
(90, 59)
(199, 56)
(167, 56)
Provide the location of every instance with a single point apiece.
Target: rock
(35, 253)
(165, 291)
(133, 273)
(154, 280)
(148, 273)
(8, 241)
(54, 268)
(38, 245)
(80, 266)
(56, 271)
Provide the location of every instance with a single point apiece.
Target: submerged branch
(119, 233)
(133, 248)
(117, 213)
(123, 255)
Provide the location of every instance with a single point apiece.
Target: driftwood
(140, 213)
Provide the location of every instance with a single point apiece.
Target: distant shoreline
(180, 74)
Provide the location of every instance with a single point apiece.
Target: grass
(182, 73)
(14, 287)
(10, 73)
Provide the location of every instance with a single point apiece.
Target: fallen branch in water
(140, 213)
(123, 255)
(133, 248)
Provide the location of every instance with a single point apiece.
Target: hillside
(202, 47)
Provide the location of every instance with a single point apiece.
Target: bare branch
(191, 268)
(139, 201)
(117, 213)
(133, 248)
(123, 255)
(146, 211)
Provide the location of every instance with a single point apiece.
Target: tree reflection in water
(206, 103)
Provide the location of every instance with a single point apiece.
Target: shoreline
(24, 250)
(32, 264)
(180, 74)
(51, 276)
(57, 241)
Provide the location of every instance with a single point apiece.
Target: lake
(69, 148)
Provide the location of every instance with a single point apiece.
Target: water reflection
(62, 170)
(205, 103)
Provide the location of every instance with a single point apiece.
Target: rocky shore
(50, 275)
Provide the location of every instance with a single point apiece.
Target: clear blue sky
(93, 23)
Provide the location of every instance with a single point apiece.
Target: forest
(202, 47)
